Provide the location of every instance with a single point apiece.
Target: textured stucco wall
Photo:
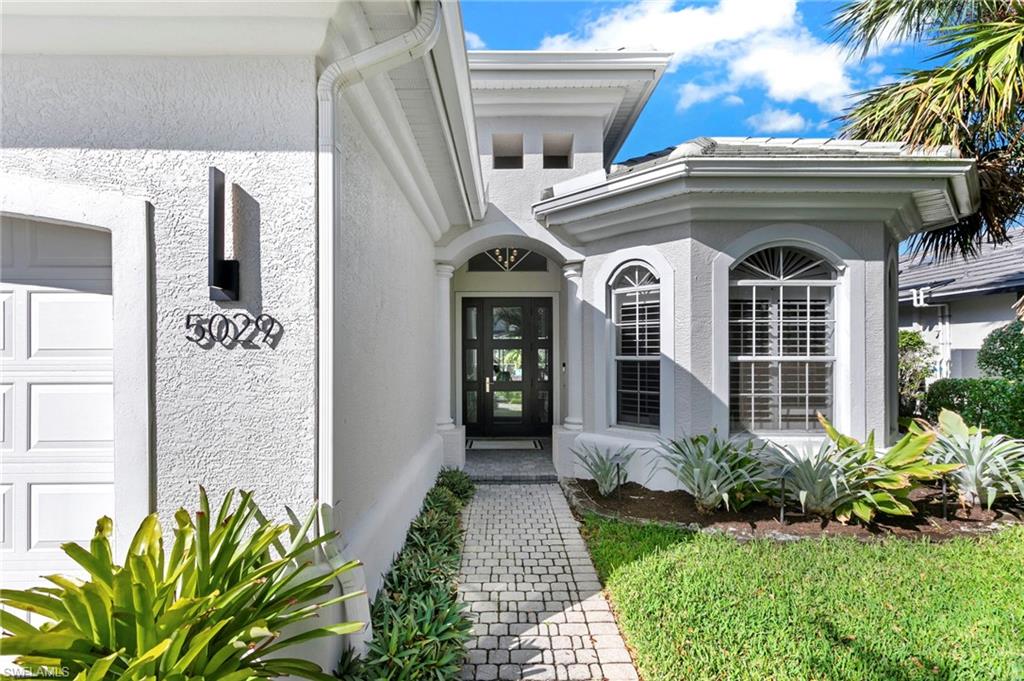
(385, 345)
(514, 191)
(149, 127)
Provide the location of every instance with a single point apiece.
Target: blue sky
(741, 67)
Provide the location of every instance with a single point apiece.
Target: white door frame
(127, 220)
(556, 351)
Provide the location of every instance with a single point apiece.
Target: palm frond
(974, 102)
(864, 24)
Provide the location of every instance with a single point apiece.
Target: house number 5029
(230, 329)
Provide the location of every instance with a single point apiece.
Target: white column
(444, 346)
(573, 273)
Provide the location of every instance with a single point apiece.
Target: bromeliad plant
(848, 478)
(608, 468)
(989, 466)
(714, 471)
(217, 607)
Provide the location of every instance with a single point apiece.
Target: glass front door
(507, 366)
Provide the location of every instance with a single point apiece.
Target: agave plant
(606, 467)
(846, 477)
(714, 471)
(990, 466)
(219, 606)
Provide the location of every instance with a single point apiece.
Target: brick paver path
(533, 594)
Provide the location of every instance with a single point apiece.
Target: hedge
(420, 627)
(992, 403)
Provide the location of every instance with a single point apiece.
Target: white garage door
(56, 394)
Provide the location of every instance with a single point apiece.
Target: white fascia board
(761, 176)
(514, 60)
(452, 69)
(165, 28)
(533, 69)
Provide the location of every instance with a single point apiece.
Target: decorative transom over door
(56, 394)
(507, 366)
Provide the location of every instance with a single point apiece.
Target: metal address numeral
(229, 330)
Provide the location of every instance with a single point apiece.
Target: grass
(694, 606)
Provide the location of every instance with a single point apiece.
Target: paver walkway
(534, 596)
(511, 465)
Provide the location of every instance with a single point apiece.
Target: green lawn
(705, 607)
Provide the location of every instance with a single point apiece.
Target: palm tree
(974, 101)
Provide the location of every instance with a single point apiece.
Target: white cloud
(733, 100)
(693, 93)
(752, 43)
(474, 41)
(792, 67)
(777, 120)
(688, 32)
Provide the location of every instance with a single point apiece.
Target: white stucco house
(430, 244)
(956, 303)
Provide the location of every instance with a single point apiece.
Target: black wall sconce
(222, 274)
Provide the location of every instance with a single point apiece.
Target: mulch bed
(635, 502)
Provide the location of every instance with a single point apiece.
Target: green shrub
(420, 628)
(607, 468)
(714, 471)
(1002, 352)
(213, 608)
(457, 482)
(846, 477)
(444, 500)
(991, 466)
(915, 365)
(991, 403)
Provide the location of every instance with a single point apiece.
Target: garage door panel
(50, 525)
(61, 246)
(6, 417)
(6, 517)
(71, 416)
(56, 398)
(70, 324)
(6, 323)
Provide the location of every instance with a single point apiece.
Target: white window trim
(604, 406)
(849, 412)
(127, 220)
(831, 359)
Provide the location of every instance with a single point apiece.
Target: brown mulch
(635, 502)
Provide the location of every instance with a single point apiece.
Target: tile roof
(775, 147)
(997, 269)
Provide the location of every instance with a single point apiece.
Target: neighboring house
(956, 303)
(429, 244)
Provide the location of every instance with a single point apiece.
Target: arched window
(636, 313)
(781, 345)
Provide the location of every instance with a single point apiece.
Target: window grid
(781, 328)
(637, 320)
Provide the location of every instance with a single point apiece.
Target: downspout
(355, 68)
(918, 297)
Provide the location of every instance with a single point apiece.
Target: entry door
(507, 366)
(56, 394)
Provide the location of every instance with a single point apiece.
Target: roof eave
(934, 174)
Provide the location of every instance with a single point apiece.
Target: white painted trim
(727, 188)
(850, 413)
(127, 220)
(506, 233)
(603, 334)
(556, 345)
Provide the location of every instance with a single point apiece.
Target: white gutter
(355, 68)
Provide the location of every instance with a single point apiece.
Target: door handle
(487, 384)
